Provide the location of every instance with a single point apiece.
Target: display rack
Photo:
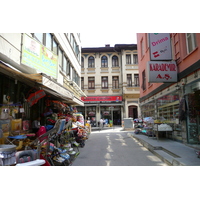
(168, 129)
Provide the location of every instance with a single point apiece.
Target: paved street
(113, 147)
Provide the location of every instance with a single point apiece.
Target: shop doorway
(116, 118)
(133, 112)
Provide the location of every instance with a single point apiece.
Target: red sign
(102, 98)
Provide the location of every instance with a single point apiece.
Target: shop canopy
(46, 82)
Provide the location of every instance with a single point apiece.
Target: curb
(152, 149)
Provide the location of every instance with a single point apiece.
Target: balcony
(128, 67)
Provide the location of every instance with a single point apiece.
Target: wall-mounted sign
(161, 71)
(39, 57)
(102, 98)
(160, 46)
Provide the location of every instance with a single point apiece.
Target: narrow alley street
(114, 147)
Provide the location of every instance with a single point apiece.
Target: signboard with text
(161, 71)
(160, 46)
(102, 99)
(37, 56)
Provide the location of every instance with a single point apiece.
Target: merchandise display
(56, 142)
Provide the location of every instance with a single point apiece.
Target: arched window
(115, 62)
(91, 62)
(104, 61)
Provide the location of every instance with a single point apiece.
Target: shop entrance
(106, 113)
(133, 112)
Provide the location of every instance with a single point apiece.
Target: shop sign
(160, 46)
(39, 57)
(161, 71)
(102, 98)
(91, 114)
(106, 113)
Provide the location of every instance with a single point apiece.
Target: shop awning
(46, 82)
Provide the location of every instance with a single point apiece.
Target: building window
(135, 59)
(144, 80)
(115, 82)
(190, 41)
(142, 47)
(91, 62)
(91, 83)
(104, 61)
(73, 75)
(60, 59)
(82, 82)
(48, 41)
(39, 37)
(82, 62)
(55, 47)
(136, 80)
(115, 62)
(104, 82)
(65, 64)
(129, 80)
(128, 59)
(68, 68)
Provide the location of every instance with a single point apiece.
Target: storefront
(105, 107)
(29, 97)
(165, 110)
(192, 114)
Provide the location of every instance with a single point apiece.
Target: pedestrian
(101, 123)
(104, 122)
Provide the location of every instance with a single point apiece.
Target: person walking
(101, 124)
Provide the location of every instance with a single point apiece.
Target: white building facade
(110, 80)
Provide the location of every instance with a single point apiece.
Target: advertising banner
(37, 56)
(160, 46)
(161, 71)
